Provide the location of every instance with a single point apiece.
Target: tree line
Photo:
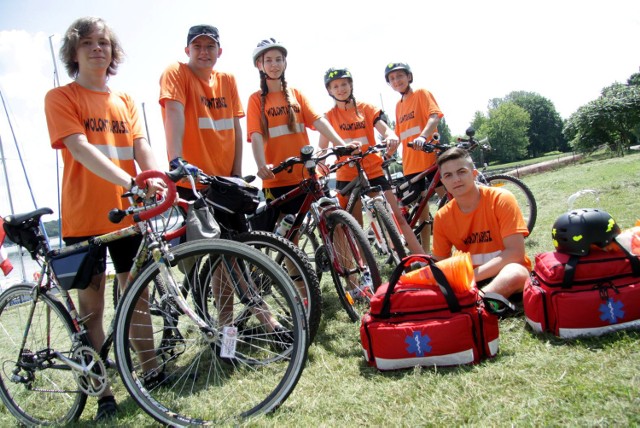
(525, 125)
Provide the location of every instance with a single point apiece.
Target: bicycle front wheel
(389, 233)
(522, 193)
(353, 267)
(291, 258)
(246, 360)
(308, 242)
(36, 386)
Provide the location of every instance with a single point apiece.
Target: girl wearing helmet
(277, 118)
(356, 122)
(417, 118)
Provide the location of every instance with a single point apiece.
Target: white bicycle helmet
(265, 45)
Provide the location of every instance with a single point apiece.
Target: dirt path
(544, 166)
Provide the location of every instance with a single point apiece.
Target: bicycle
(381, 225)
(522, 193)
(184, 351)
(344, 250)
(284, 252)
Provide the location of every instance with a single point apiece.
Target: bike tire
(286, 254)
(353, 259)
(200, 386)
(37, 399)
(390, 232)
(308, 242)
(522, 193)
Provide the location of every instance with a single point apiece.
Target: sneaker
(107, 409)
(154, 380)
(284, 338)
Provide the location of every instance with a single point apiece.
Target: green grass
(536, 380)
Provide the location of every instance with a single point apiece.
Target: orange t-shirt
(209, 112)
(357, 128)
(479, 232)
(110, 122)
(412, 115)
(281, 143)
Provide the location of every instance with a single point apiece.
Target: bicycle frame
(315, 202)
(152, 244)
(359, 188)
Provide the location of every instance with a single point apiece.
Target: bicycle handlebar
(358, 156)
(306, 155)
(145, 213)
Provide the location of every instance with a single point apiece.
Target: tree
(443, 130)
(479, 119)
(545, 131)
(506, 128)
(610, 120)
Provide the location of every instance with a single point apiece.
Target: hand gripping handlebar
(145, 213)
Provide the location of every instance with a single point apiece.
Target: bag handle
(441, 280)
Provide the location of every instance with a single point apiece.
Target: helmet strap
(346, 100)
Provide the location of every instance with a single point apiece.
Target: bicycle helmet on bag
(336, 73)
(575, 231)
(393, 66)
(265, 45)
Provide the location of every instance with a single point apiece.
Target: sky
(465, 52)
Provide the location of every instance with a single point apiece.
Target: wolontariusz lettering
(105, 125)
(478, 237)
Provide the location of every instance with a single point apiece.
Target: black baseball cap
(203, 30)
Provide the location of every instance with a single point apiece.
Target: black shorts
(229, 223)
(421, 185)
(381, 181)
(290, 207)
(413, 192)
(122, 252)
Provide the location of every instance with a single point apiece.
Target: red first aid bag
(572, 296)
(412, 324)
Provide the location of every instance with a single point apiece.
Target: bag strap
(570, 271)
(570, 267)
(441, 280)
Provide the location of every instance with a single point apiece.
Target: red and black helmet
(575, 231)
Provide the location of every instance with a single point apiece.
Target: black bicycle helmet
(575, 231)
(336, 73)
(265, 45)
(393, 66)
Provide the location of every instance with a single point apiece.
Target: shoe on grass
(107, 409)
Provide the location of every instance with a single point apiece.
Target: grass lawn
(536, 380)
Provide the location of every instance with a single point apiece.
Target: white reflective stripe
(410, 133)
(572, 333)
(494, 345)
(279, 131)
(480, 259)
(216, 125)
(536, 326)
(361, 140)
(463, 357)
(112, 152)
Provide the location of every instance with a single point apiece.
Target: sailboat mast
(6, 178)
(56, 83)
